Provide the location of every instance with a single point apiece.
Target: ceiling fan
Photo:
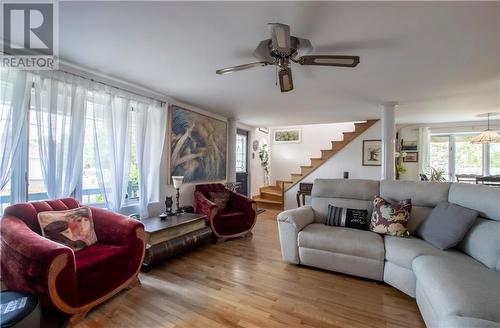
(282, 49)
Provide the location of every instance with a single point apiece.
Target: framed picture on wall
(287, 136)
(409, 145)
(372, 153)
(197, 146)
(411, 157)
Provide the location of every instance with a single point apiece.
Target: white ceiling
(440, 60)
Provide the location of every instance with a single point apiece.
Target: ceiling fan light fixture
(285, 78)
(487, 136)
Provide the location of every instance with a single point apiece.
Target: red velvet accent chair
(72, 282)
(237, 220)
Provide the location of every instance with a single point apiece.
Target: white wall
(410, 134)
(286, 158)
(255, 170)
(346, 160)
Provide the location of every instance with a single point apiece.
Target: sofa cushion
(345, 188)
(342, 240)
(320, 206)
(458, 285)
(422, 193)
(347, 217)
(484, 199)
(482, 242)
(73, 228)
(220, 198)
(447, 225)
(100, 268)
(390, 217)
(402, 251)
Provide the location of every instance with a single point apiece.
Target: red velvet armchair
(237, 220)
(72, 282)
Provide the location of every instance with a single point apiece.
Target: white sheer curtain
(150, 137)
(15, 89)
(60, 107)
(424, 147)
(111, 115)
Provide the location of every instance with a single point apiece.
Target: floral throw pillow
(73, 228)
(220, 198)
(390, 218)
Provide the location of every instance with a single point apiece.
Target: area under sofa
(453, 288)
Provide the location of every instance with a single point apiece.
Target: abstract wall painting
(198, 146)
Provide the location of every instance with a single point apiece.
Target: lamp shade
(177, 181)
(486, 137)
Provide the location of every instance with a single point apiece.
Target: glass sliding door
(468, 156)
(440, 154)
(494, 159)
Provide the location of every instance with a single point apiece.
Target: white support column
(231, 150)
(388, 140)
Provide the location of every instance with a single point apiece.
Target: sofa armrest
(298, 217)
(33, 263)
(204, 206)
(115, 229)
(243, 203)
(290, 223)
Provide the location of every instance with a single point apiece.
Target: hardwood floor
(244, 283)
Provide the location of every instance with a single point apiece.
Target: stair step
(259, 199)
(296, 175)
(316, 161)
(272, 195)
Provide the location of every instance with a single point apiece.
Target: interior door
(242, 161)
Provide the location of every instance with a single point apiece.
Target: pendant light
(486, 136)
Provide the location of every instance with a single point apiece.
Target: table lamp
(177, 181)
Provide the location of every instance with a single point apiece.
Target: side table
(173, 235)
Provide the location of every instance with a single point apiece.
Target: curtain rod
(162, 102)
(76, 70)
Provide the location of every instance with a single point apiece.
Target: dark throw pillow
(447, 225)
(390, 218)
(220, 198)
(347, 217)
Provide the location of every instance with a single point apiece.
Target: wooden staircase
(271, 197)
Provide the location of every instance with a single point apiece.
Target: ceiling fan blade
(329, 60)
(285, 78)
(232, 69)
(280, 38)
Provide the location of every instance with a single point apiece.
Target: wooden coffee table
(173, 235)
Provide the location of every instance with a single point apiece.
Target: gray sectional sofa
(453, 288)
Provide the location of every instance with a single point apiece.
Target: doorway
(242, 161)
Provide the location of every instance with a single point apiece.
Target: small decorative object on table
(168, 207)
(177, 181)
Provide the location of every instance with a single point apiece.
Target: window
(241, 150)
(455, 154)
(91, 194)
(440, 153)
(36, 185)
(494, 165)
(468, 156)
(133, 182)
